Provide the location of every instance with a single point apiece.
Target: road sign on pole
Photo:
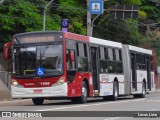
(64, 25)
(96, 7)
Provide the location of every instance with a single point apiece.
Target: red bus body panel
(74, 88)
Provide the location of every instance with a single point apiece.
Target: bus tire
(74, 99)
(142, 95)
(38, 101)
(107, 98)
(115, 91)
(83, 98)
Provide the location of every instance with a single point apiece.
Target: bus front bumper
(55, 91)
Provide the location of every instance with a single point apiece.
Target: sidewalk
(5, 93)
(156, 91)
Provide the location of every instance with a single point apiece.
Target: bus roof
(38, 32)
(75, 36)
(138, 49)
(105, 42)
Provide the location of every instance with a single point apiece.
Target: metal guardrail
(5, 77)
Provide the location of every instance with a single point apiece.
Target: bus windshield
(36, 61)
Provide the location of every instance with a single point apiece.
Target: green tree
(19, 16)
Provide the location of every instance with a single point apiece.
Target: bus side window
(70, 61)
(103, 60)
(82, 57)
(119, 64)
(111, 60)
(71, 67)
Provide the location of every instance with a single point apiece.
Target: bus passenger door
(148, 73)
(134, 74)
(94, 68)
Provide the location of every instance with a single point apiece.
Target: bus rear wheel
(143, 90)
(142, 95)
(115, 91)
(38, 101)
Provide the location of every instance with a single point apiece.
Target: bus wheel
(142, 95)
(38, 101)
(83, 98)
(115, 91)
(143, 91)
(74, 99)
(107, 98)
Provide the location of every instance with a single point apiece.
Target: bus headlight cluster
(60, 81)
(15, 83)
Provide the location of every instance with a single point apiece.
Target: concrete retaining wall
(5, 93)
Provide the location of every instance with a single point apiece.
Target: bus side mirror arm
(6, 50)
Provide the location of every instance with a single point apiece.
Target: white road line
(115, 102)
(152, 110)
(114, 118)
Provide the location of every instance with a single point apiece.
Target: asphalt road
(95, 108)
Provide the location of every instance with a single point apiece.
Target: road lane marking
(152, 110)
(77, 106)
(114, 118)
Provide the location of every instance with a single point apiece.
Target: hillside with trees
(17, 16)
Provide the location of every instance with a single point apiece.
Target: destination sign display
(36, 39)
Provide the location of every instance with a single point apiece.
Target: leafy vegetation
(17, 16)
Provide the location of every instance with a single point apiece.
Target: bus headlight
(15, 83)
(60, 81)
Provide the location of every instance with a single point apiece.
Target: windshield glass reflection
(47, 59)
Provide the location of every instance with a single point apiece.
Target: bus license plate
(37, 91)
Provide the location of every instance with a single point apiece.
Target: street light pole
(92, 24)
(44, 16)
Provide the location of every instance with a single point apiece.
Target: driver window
(70, 63)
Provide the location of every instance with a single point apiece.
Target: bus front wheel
(38, 101)
(83, 98)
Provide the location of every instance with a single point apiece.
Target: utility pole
(44, 16)
(89, 26)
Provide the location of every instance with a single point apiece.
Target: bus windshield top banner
(36, 38)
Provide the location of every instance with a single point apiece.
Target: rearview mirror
(6, 50)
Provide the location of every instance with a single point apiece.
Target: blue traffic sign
(96, 7)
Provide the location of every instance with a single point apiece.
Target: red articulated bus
(50, 65)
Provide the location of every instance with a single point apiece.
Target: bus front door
(94, 69)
